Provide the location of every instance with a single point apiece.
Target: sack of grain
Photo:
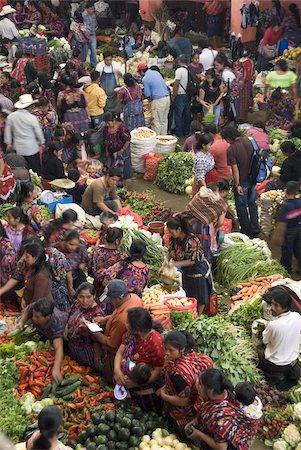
(166, 144)
(143, 141)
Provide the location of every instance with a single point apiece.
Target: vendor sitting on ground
(50, 322)
(282, 339)
(101, 194)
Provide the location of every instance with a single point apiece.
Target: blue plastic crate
(33, 46)
(66, 199)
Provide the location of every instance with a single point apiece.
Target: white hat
(24, 101)
(7, 9)
(85, 80)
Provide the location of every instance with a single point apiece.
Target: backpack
(193, 86)
(261, 166)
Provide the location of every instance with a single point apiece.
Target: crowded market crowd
(81, 110)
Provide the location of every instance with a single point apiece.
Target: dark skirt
(78, 278)
(79, 119)
(60, 295)
(84, 355)
(199, 287)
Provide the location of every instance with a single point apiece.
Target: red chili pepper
(39, 383)
(32, 368)
(23, 372)
(36, 390)
(23, 386)
(22, 364)
(87, 415)
(73, 436)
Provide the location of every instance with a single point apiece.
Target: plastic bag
(126, 211)
(151, 165)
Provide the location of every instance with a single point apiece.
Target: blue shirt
(290, 212)
(90, 22)
(154, 85)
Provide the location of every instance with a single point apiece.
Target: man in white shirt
(282, 340)
(7, 27)
(23, 132)
(182, 101)
(110, 74)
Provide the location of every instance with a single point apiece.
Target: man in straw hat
(7, 27)
(24, 133)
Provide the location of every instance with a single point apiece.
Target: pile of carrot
(249, 289)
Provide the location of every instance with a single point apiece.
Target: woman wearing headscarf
(206, 213)
(130, 96)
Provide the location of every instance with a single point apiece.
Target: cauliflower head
(280, 445)
(291, 435)
(297, 411)
(298, 446)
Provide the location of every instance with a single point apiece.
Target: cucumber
(68, 397)
(68, 389)
(54, 388)
(14, 333)
(70, 380)
(46, 391)
(85, 382)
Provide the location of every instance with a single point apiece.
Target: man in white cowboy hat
(7, 27)
(23, 132)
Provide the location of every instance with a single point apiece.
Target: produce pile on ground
(277, 136)
(146, 205)
(173, 172)
(254, 259)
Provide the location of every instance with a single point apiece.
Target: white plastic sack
(228, 242)
(166, 147)
(140, 147)
(266, 216)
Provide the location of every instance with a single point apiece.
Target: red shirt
(219, 152)
(214, 7)
(271, 37)
(149, 351)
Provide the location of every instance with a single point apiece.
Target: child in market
(78, 191)
(287, 232)
(248, 402)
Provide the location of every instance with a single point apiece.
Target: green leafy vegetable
(173, 171)
(246, 314)
(228, 345)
